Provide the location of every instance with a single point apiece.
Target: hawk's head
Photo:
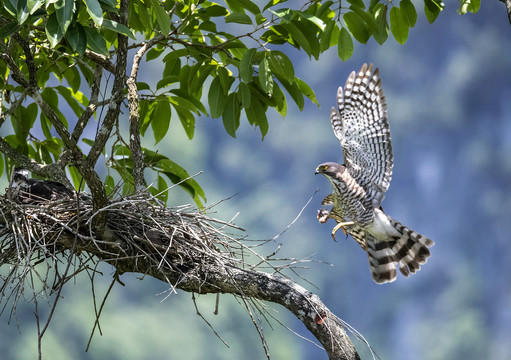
(19, 177)
(330, 170)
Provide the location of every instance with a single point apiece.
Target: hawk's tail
(408, 251)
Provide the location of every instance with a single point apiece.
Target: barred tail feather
(408, 252)
(382, 260)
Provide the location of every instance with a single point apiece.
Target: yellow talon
(341, 226)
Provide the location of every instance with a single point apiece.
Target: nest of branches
(47, 244)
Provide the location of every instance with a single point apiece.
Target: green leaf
(315, 20)
(64, 10)
(226, 79)
(344, 45)
(329, 36)
(306, 90)
(109, 185)
(285, 14)
(189, 101)
(217, 99)
(366, 17)
(161, 120)
(231, 115)
(294, 90)
(177, 174)
(142, 86)
(50, 96)
(304, 35)
(357, 26)
(146, 109)
(172, 66)
(22, 121)
(162, 190)
(359, 3)
(256, 114)
(45, 126)
(272, 3)
(22, 12)
(69, 96)
(432, 9)
(469, 5)
(166, 81)
(11, 6)
(9, 29)
(280, 100)
(260, 19)
(89, 142)
(76, 37)
(95, 41)
(238, 18)
(474, 6)
(76, 178)
(381, 21)
(265, 77)
(250, 6)
(118, 28)
(95, 11)
(212, 10)
(110, 6)
(53, 30)
(281, 65)
(408, 12)
(187, 120)
(154, 53)
(244, 92)
(246, 69)
(162, 17)
(398, 25)
(34, 5)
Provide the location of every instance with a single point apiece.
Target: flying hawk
(360, 124)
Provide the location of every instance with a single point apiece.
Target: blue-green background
(448, 92)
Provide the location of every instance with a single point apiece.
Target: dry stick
(206, 321)
(258, 328)
(70, 257)
(96, 321)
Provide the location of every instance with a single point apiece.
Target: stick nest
(35, 240)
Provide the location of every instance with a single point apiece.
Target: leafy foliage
(207, 69)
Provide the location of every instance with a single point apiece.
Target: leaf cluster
(227, 61)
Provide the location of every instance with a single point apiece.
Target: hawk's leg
(341, 226)
(323, 215)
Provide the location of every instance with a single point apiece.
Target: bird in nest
(26, 190)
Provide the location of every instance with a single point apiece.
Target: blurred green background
(448, 92)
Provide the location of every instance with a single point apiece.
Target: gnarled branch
(185, 249)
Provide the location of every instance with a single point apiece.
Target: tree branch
(188, 251)
(134, 118)
(16, 73)
(101, 60)
(114, 106)
(91, 108)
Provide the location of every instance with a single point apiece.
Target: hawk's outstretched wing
(360, 124)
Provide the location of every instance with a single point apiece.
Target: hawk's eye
(324, 167)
